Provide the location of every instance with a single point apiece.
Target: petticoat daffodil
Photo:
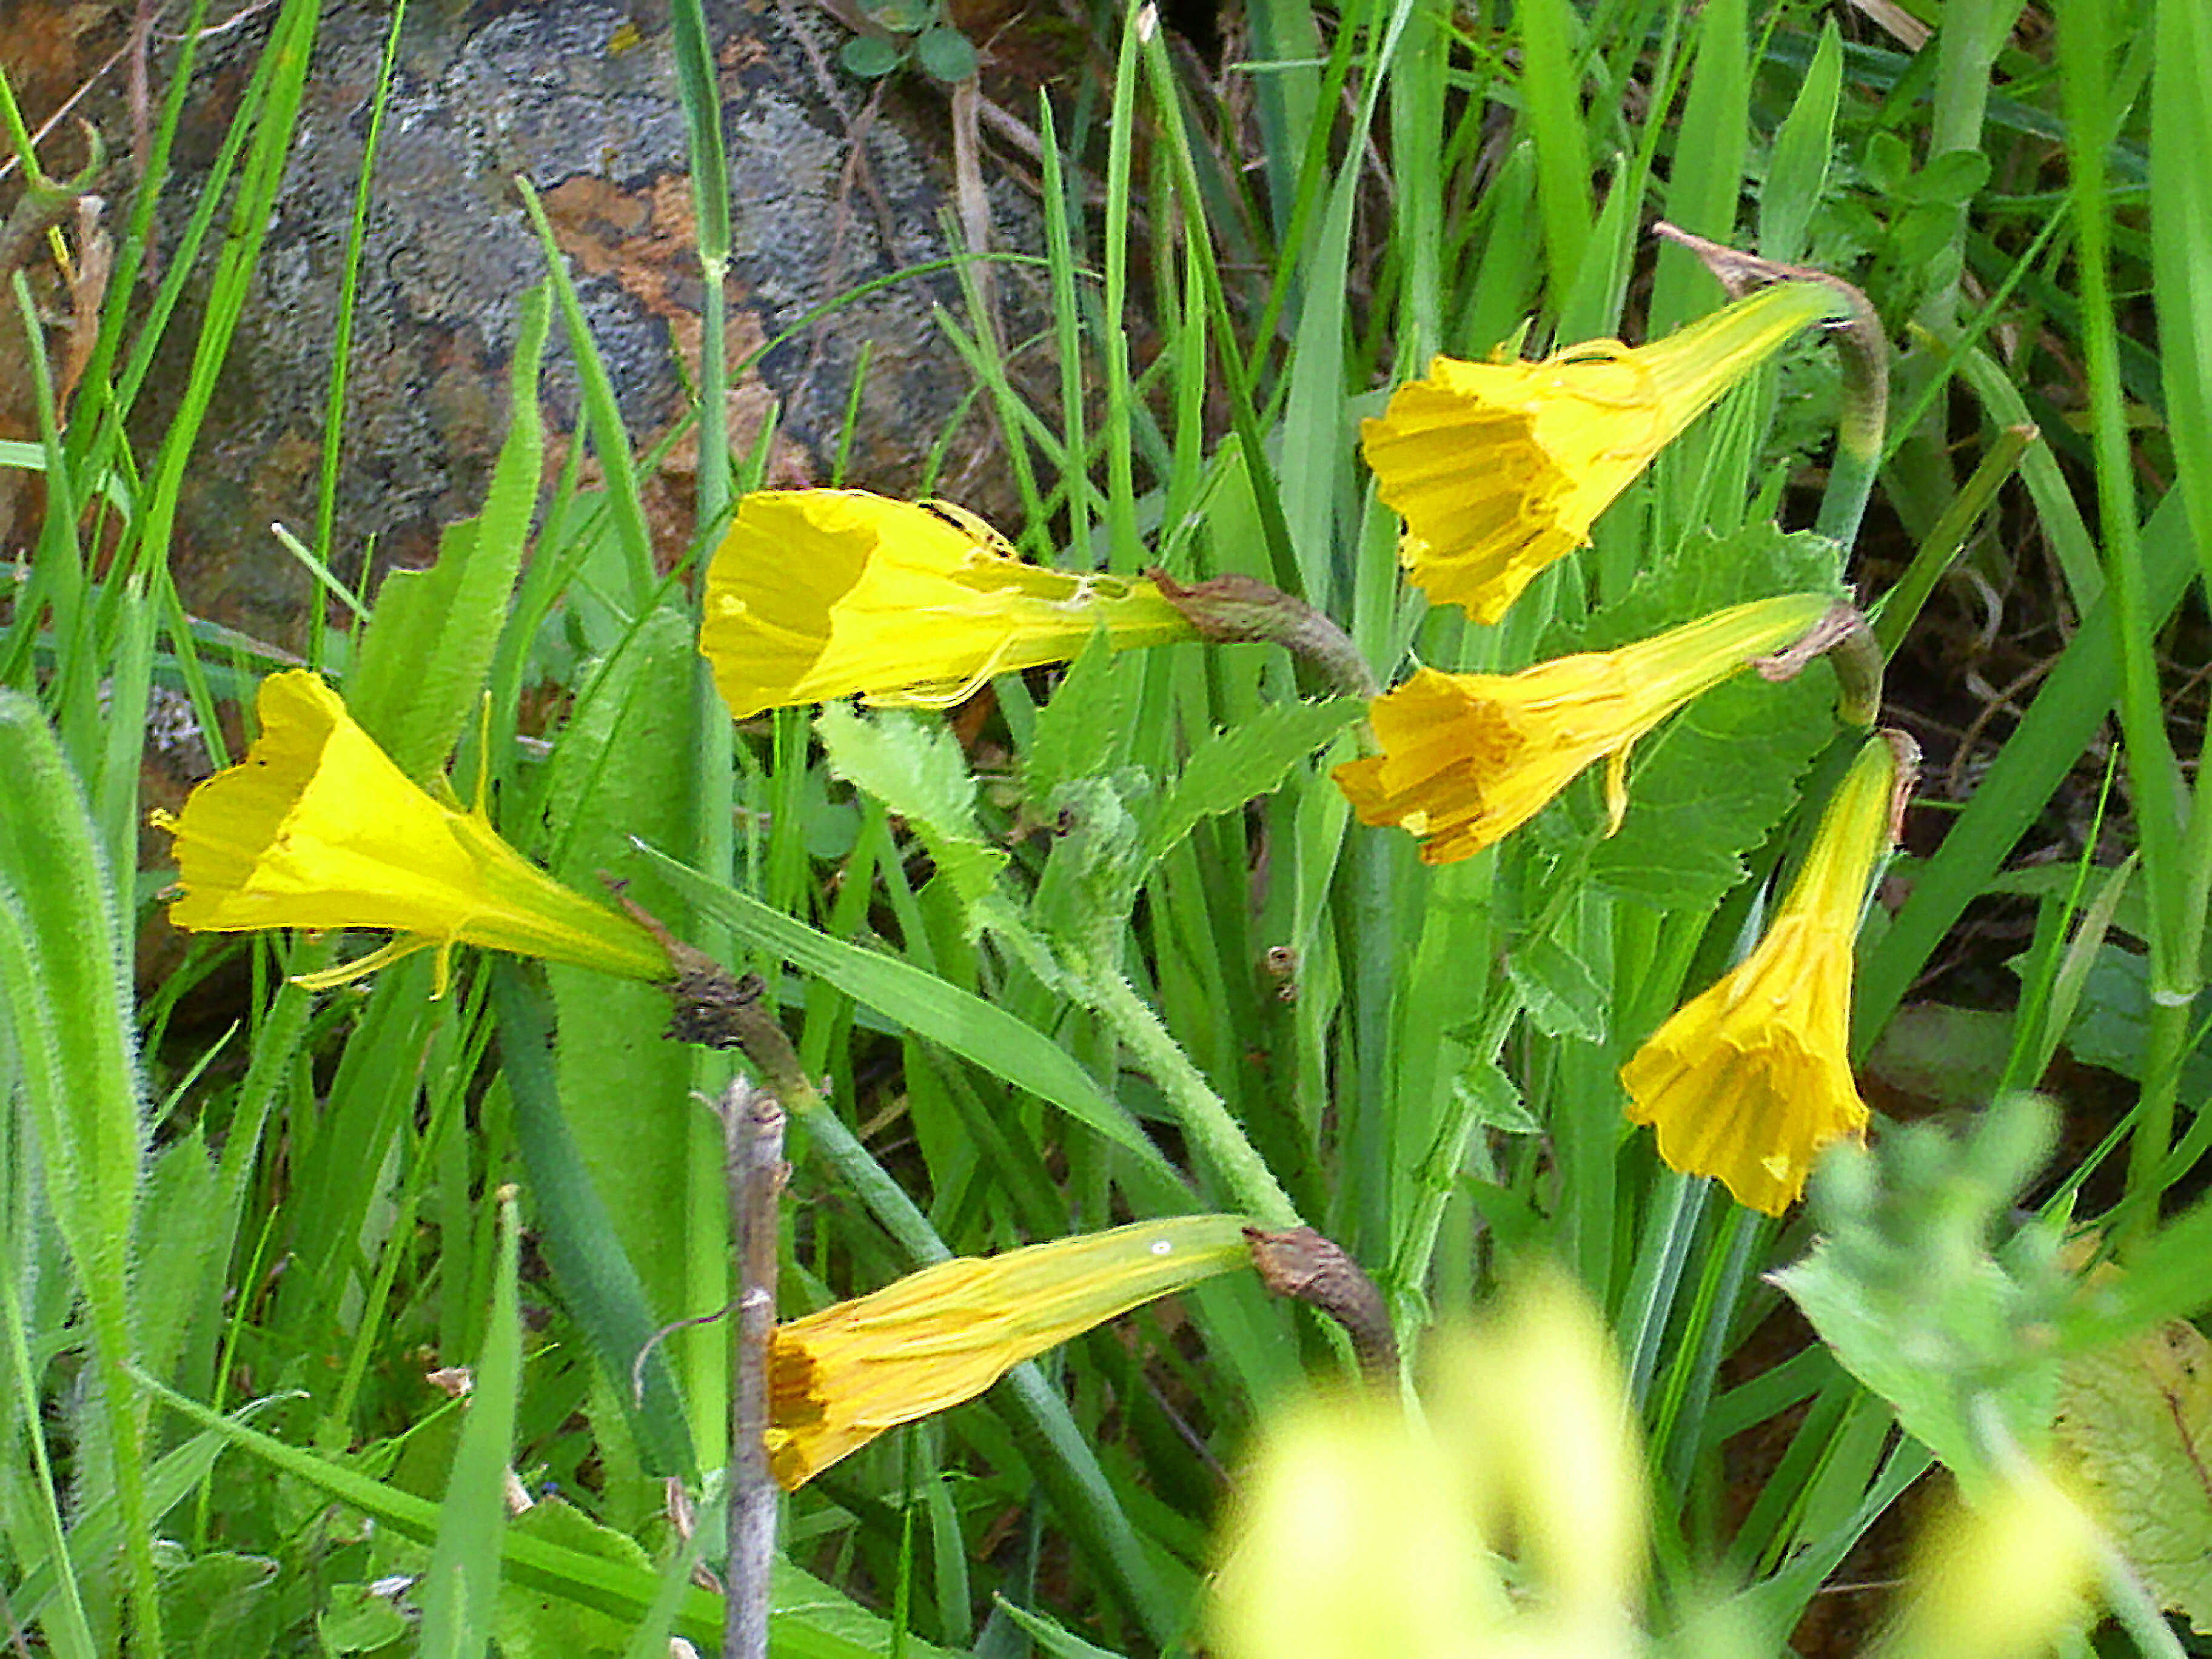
(1468, 758)
(1500, 469)
(1747, 1082)
(840, 1377)
(823, 593)
(317, 828)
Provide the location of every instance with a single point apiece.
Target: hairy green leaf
(1230, 768)
(916, 769)
(1905, 1287)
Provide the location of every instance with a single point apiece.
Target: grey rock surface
(578, 97)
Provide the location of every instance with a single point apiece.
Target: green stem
(1216, 1138)
(2152, 775)
(1438, 1179)
(1901, 605)
(1864, 351)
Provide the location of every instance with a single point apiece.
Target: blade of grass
(463, 1577)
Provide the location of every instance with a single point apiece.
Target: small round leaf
(946, 55)
(868, 58)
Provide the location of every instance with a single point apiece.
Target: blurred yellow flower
(2012, 1575)
(1468, 758)
(822, 593)
(840, 1377)
(1500, 469)
(1362, 1530)
(317, 828)
(1748, 1081)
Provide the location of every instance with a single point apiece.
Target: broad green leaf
(946, 55)
(359, 1620)
(2111, 1026)
(869, 56)
(1707, 786)
(2135, 1421)
(624, 770)
(222, 1604)
(1906, 1288)
(916, 769)
(1495, 1100)
(1561, 994)
(595, 1276)
(1230, 768)
(426, 650)
(1947, 1056)
(988, 1036)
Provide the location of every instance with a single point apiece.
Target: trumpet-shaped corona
(317, 828)
(1500, 469)
(1748, 1081)
(1468, 758)
(840, 1377)
(822, 593)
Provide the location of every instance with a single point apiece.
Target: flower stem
(1216, 1137)
(1864, 350)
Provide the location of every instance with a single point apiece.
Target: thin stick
(752, 1139)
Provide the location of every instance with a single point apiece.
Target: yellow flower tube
(317, 828)
(823, 593)
(1747, 1082)
(840, 1377)
(1500, 469)
(1468, 758)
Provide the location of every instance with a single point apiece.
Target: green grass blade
(985, 1035)
(463, 1578)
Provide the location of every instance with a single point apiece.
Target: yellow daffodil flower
(1500, 469)
(317, 828)
(840, 1377)
(822, 593)
(1468, 758)
(1361, 1528)
(1747, 1082)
